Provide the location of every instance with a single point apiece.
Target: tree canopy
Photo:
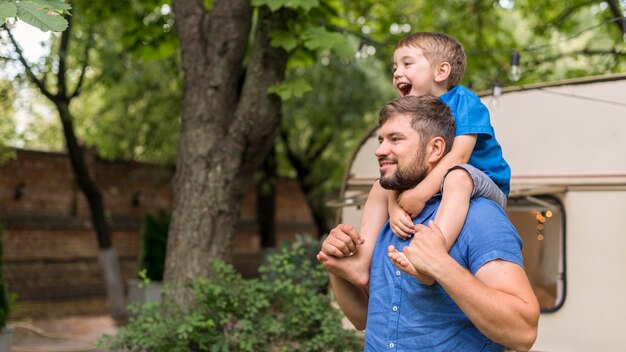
(327, 61)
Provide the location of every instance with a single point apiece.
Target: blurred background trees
(337, 74)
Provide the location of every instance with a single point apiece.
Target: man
(481, 301)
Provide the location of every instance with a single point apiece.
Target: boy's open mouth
(404, 88)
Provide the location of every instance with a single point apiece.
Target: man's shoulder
(485, 215)
(487, 235)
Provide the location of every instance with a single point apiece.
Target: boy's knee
(459, 178)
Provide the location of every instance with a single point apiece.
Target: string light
(496, 91)
(515, 73)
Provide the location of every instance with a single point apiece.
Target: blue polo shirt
(472, 117)
(405, 315)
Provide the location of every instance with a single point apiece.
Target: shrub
(154, 235)
(286, 309)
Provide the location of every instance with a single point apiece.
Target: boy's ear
(443, 72)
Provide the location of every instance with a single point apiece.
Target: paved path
(70, 334)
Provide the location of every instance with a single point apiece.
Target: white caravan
(566, 145)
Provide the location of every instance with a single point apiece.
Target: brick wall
(50, 249)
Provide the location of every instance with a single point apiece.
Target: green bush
(154, 235)
(4, 302)
(286, 309)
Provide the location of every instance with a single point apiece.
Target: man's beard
(406, 177)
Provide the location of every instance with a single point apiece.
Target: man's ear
(443, 72)
(436, 150)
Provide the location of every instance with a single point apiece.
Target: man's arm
(498, 299)
(351, 299)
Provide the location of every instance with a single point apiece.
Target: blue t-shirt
(472, 117)
(405, 315)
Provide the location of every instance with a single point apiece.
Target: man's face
(412, 73)
(400, 156)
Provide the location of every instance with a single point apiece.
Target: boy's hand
(400, 222)
(411, 202)
(342, 241)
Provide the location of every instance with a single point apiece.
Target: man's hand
(427, 249)
(342, 241)
(410, 201)
(401, 262)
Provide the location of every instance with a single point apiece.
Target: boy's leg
(356, 267)
(460, 184)
(457, 188)
(484, 187)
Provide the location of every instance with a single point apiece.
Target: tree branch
(565, 14)
(63, 49)
(617, 12)
(587, 52)
(77, 90)
(29, 72)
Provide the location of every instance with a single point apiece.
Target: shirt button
(395, 308)
(398, 273)
(392, 345)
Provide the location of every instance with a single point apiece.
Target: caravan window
(540, 221)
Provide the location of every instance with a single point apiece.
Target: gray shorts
(483, 186)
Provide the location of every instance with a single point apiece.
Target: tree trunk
(107, 257)
(223, 140)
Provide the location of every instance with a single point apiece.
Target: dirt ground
(60, 326)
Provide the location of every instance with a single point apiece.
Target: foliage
(154, 236)
(7, 125)
(287, 309)
(131, 109)
(43, 14)
(320, 129)
(4, 302)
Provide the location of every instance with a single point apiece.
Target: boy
(427, 64)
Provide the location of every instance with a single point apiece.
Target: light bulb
(496, 91)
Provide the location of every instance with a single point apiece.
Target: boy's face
(412, 73)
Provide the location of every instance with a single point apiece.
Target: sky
(30, 39)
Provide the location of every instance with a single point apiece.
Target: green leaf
(54, 5)
(40, 18)
(291, 88)
(306, 4)
(272, 4)
(7, 10)
(317, 38)
(290, 4)
(208, 4)
(283, 39)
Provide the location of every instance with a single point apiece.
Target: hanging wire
(582, 97)
(543, 46)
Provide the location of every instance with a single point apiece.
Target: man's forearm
(351, 299)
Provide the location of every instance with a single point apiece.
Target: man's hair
(438, 48)
(430, 117)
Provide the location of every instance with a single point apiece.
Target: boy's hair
(430, 117)
(438, 48)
